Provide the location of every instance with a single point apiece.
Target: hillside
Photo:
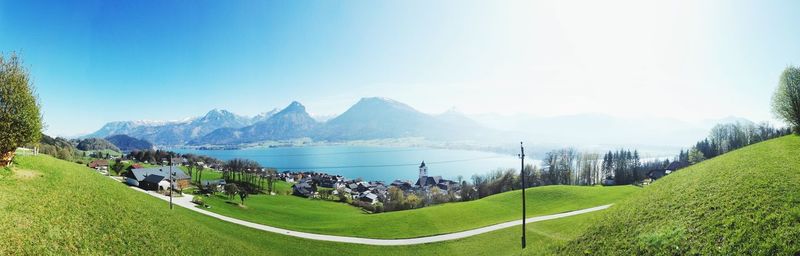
(92, 144)
(127, 143)
(333, 218)
(746, 202)
(50, 206)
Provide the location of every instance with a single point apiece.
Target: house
(98, 164)
(674, 166)
(154, 182)
(609, 181)
(213, 185)
(368, 197)
(135, 177)
(302, 188)
(658, 173)
(402, 185)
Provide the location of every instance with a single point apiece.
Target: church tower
(423, 170)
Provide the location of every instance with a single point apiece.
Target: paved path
(186, 202)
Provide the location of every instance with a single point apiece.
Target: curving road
(185, 202)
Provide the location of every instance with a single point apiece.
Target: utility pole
(170, 183)
(522, 175)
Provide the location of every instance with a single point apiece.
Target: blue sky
(100, 61)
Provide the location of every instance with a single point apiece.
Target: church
(427, 182)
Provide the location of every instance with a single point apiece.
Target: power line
(385, 165)
(343, 153)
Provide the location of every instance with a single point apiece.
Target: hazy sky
(113, 60)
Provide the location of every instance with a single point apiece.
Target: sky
(98, 61)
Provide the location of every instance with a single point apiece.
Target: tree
(190, 168)
(412, 201)
(199, 168)
(243, 195)
(20, 119)
(231, 190)
(270, 173)
(786, 100)
(396, 199)
(695, 156)
(118, 166)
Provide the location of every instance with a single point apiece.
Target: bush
(198, 200)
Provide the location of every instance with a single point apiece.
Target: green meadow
(326, 217)
(50, 206)
(746, 202)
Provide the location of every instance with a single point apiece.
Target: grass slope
(50, 206)
(326, 217)
(746, 202)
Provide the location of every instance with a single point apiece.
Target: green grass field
(50, 206)
(325, 217)
(746, 202)
(280, 187)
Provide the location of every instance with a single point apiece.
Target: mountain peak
(218, 112)
(373, 102)
(294, 107)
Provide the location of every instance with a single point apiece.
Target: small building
(302, 188)
(98, 164)
(154, 182)
(658, 173)
(136, 177)
(368, 197)
(213, 185)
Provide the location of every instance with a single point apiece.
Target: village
(369, 195)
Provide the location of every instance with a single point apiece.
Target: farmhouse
(213, 185)
(302, 188)
(141, 177)
(98, 164)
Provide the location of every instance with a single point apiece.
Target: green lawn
(325, 217)
(50, 206)
(280, 187)
(746, 202)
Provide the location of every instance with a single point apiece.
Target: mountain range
(381, 118)
(370, 118)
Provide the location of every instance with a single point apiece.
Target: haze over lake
(372, 162)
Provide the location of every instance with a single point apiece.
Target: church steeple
(423, 170)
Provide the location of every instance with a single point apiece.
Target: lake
(372, 162)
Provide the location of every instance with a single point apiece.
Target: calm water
(371, 163)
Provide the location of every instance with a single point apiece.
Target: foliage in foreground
(786, 100)
(20, 120)
(746, 202)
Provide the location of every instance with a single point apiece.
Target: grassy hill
(746, 202)
(50, 206)
(327, 217)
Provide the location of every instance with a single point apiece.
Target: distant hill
(56, 142)
(96, 144)
(593, 129)
(376, 118)
(379, 118)
(127, 143)
(745, 202)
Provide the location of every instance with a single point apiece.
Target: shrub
(198, 200)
